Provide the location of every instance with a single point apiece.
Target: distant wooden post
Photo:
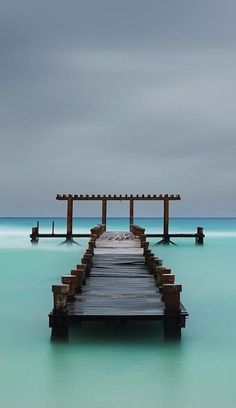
(166, 238)
(69, 217)
(34, 235)
(199, 240)
(131, 212)
(104, 212)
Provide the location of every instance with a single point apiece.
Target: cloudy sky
(128, 96)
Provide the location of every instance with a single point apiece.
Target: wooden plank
(42, 235)
(171, 235)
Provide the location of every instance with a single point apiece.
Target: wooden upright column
(131, 212)
(104, 212)
(199, 240)
(166, 238)
(69, 217)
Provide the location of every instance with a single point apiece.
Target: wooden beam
(69, 217)
(166, 220)
(131, 212)
(104, 212)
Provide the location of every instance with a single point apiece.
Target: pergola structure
(131, 198)
(165, 236)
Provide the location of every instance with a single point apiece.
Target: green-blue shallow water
(103, 367)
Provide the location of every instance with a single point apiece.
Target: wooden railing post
(73, 283)
(60, 298)
(80, 277)
(87, 261)
(160, 270)
(82, 268)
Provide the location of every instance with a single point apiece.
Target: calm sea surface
(130, 366)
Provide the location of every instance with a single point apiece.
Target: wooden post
(82, 267)
(172, 321)
(165, 278)
(131, 212)
(146, 253)
(58, 318)
(53, 227)
(150, 262)
(160, 271)
(143, 240)
(91, 245)
(199, 240)
(87, 260)
(80, 275)
(166, 238)
(104, 212)
(73, 283)
(60, 297)
(69, 217)
(34, 235)
(156, 262)
(149, 257)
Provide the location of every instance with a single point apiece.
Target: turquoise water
(104, 367)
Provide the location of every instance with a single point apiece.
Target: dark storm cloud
(108, 96)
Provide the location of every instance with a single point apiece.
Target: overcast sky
(108, 96)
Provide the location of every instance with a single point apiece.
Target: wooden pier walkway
(118, 279)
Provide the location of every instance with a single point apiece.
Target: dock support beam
(58, 319)
(131, 212)
(172, 328)
(173, 320)
(69, 218)
(166, 238)
(104, 212)
(60, 327)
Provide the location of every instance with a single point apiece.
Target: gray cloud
(108, 96)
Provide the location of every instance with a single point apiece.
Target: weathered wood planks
(123, 281)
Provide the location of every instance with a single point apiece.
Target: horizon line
(117, 217)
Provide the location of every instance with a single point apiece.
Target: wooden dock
(118, 279)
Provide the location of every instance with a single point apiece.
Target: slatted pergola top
(78, 197)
